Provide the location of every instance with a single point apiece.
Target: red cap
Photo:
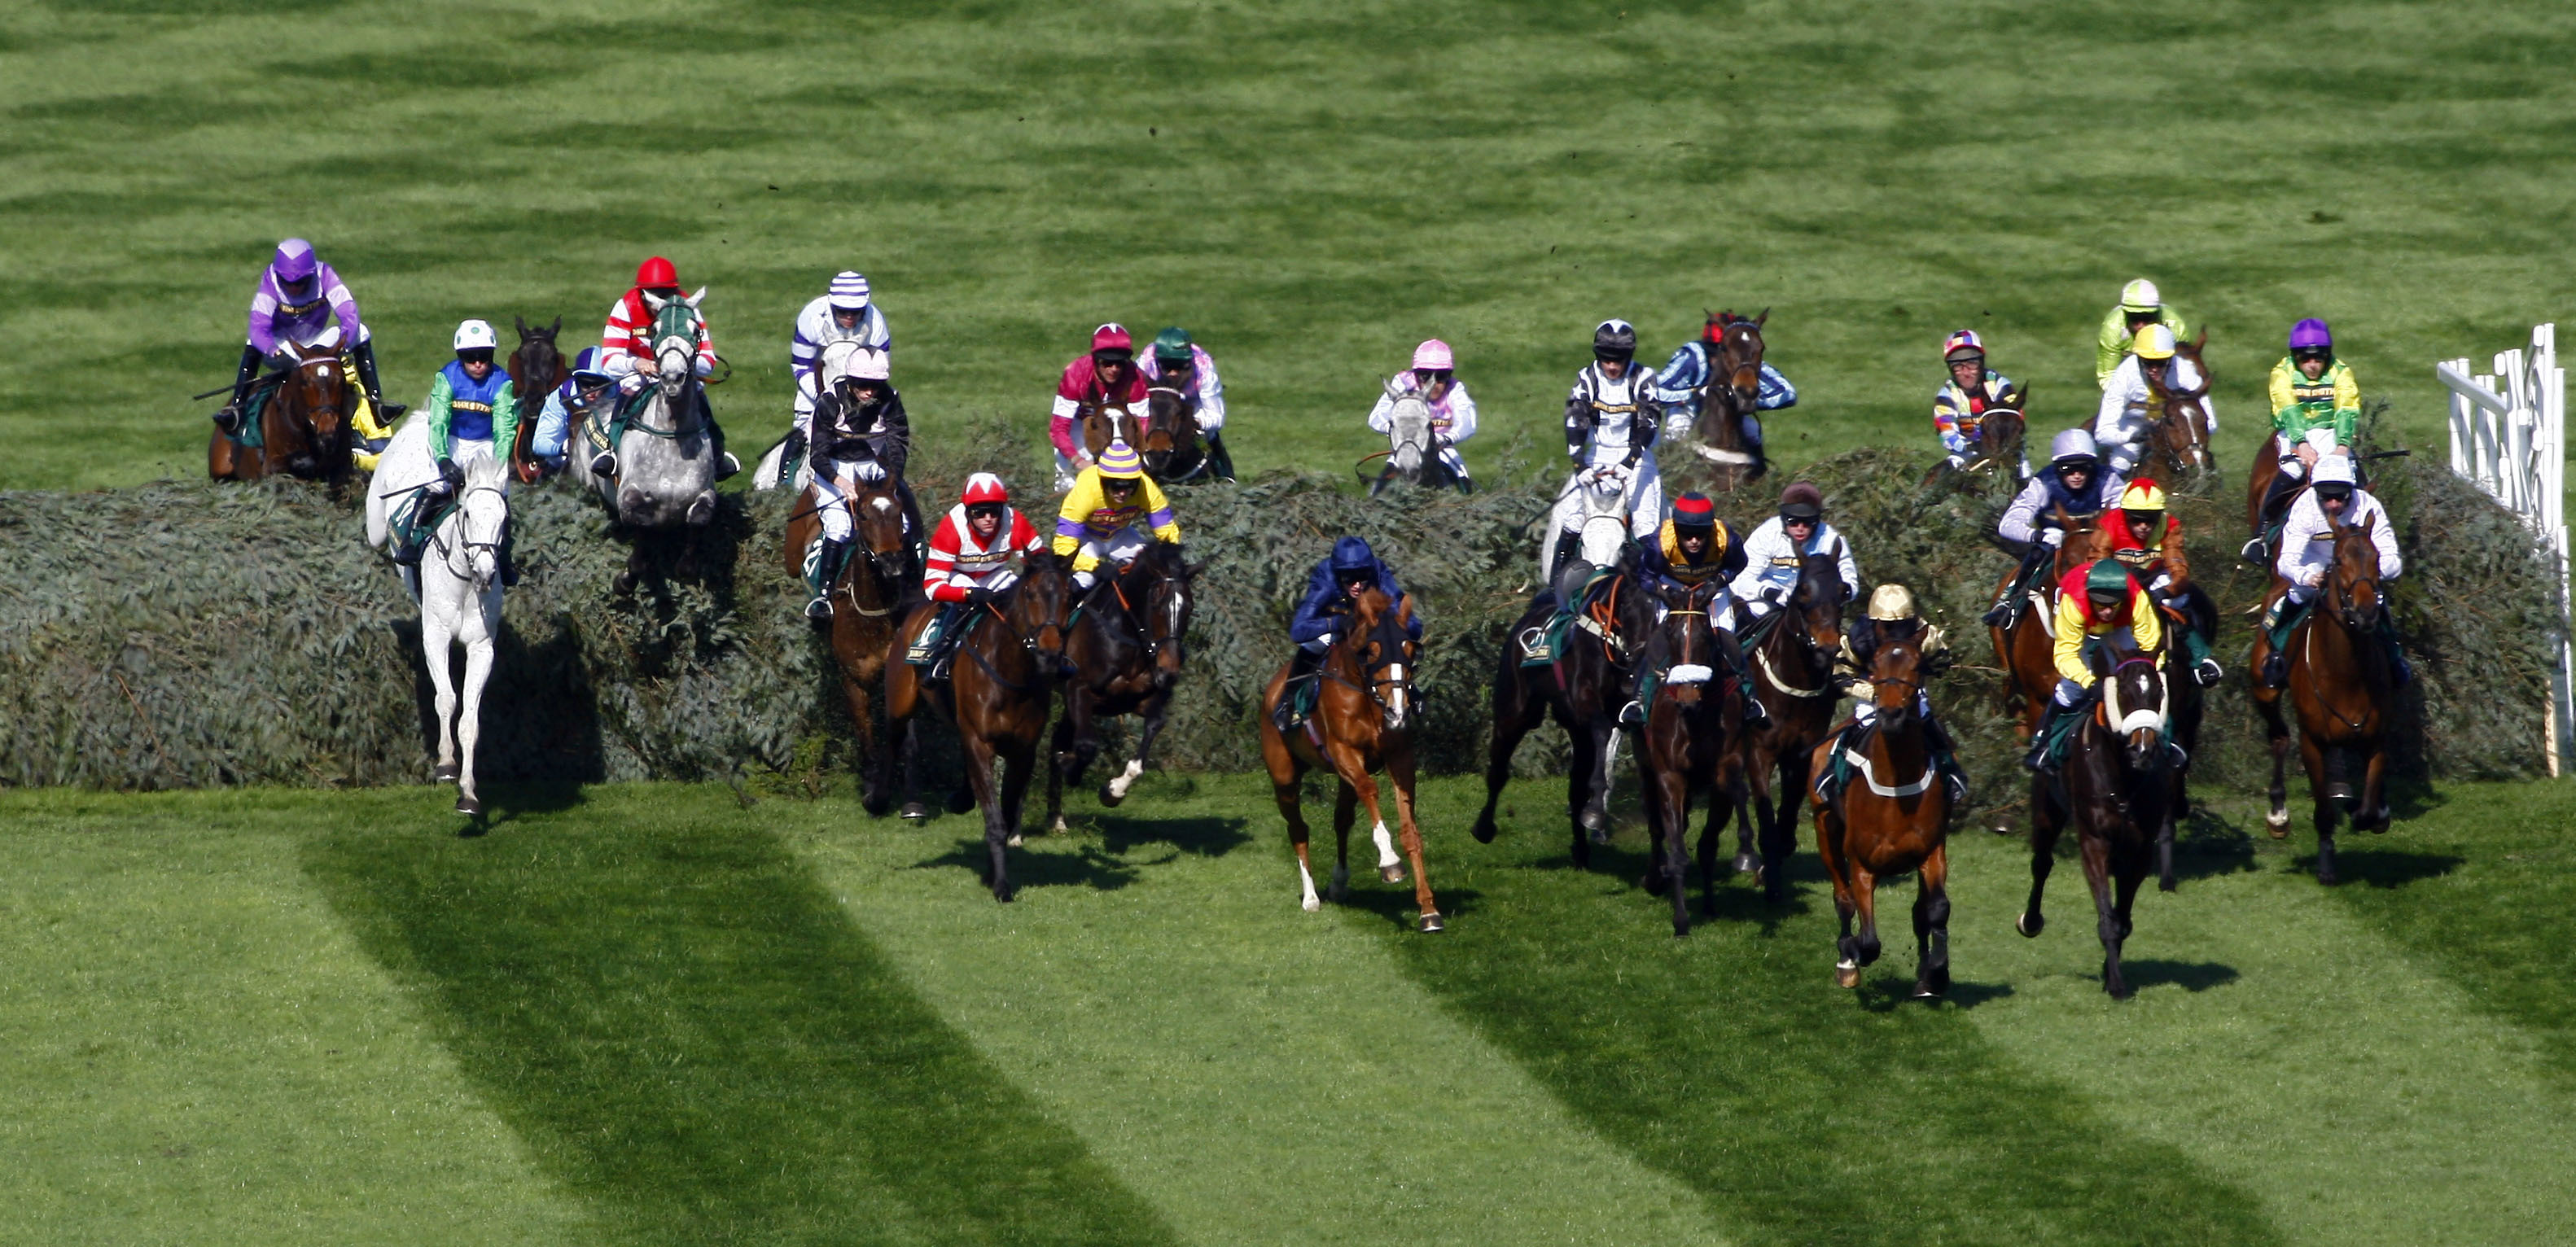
(1694, 510)
(1112, 337)
(985, 487)
(656, 273)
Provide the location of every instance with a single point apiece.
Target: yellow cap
(2142, 496)
(2154, 342)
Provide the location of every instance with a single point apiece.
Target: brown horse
(2026, 644)
(536, 369)
(1363, 722)
(1171, 447)
(1682, 748)
(1103, 423)
(2258, 483)
(1583, 689)
(2179, 436)
(2113, 787)
(1126, 652)
(1730, 395)
(997, 694)
(2344, 691)
(2002, 434)
(878, 581)
(1888, 821)
(304, 429)
(1793, 676)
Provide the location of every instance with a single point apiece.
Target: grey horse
(666, 462)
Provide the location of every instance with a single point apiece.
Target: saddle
(1586, 608)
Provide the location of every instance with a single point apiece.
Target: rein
(448, 547)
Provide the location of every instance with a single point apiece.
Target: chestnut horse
(2179, 436)
(1730, 394)
(1171, 447)
(1889, 821)
(2113, 786)
(304, 427)
(1682, 748)
(1363, 722)
(997, 693)
(536, 370)
(1126, 651)
(1792, 674)
(2345, 693)
(878, 581)
(1584, 690)
(1103, 423)
(2026, 645)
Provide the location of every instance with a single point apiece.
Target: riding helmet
(2311, 334)
(1891, 602)
(2334, 470)
(849, 292)
(294, 261)
(1614, 339)
(2141, 296)
(1963, 345)
(2141, 496)
(1352, 554)
(984, 487)
(656, 274)
(2154, 342)
(2107, 581)
(1802, 501)
(2074, 445)
(1172, 346)
(476, 335)
(1435, 355)
(1120, 462)
(1693, 510)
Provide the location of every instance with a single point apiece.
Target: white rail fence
(2509, 435)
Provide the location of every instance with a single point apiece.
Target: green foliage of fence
(187, 634)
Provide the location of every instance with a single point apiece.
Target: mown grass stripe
(1802, 1112)
(688, 1030)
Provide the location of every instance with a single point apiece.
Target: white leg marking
(1306, 880)
(1119, 785)
(1385, 847)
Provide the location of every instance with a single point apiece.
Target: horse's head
(1688, 639)
(1171, 421)
(1408, 428)
(537, 367)
(1817, 603)
(483, 512)
(1896, 678)
(1041, 608)
(1381, 645)
(2134, 706)
(676, 324)
(1739, 356)
(313, 399)
(1158, 586)
(876, 508)
(2182, 427)
(2086, 540)
(2003, 428)
(2352, 583)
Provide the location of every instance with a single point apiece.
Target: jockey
(1693, 548)
(1892, 616)
(473, 414)
(2316, 410)
(300, 300)
(1186, 366)
(2073, 482)
(2147, 539)
(2129, 397)
(841, 314)
(570, 403)
(1107, 377)
(1453, 413)
(1777, 550)
(2140, 305)
(1334, 583)
(1679, 387)
(2094, 602)
(2307, 555)
(1610, 423)
(859, 433)
(626, 353)
(970, 563)
(1099, 515)
(1959, 410)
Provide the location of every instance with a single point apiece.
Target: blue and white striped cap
(849, 291)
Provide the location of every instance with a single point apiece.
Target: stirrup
(2276, 669)
(2252, 552)
(604, 463)
(228, 418)
(2207, 672)
(1633, 714)
(820, 607)
(730, 466)
(1999, 614)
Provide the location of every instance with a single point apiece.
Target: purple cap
(2311, 333)
(293, 261)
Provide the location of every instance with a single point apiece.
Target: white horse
(457, 584)
(666, 466)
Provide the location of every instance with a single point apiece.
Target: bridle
(461, 541)
(1740, 350)
(1394, 657)
(1686, 638)
(1811, 654)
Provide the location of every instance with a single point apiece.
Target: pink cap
(1433, 354)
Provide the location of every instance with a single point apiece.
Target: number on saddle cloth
(940, 634)
(1542, 645)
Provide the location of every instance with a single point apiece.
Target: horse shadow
(1623, 864)
(2384, 868)
(2207, 845)
(1089, 865)
(1199, 837)
(2191, 976)
(1886, 993)
(1392, 903)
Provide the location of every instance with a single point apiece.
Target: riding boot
(1731, 652)
(2397, 664)
(726, 464)
(1460, 482)
(1220, 463)
(822, 574)
(1292, 707)
(229, 416)
(1945, 759)
(363, 354)
(2007, 603)
(509, 567)
(947, 629)
(2037, 758)
(1569, 547)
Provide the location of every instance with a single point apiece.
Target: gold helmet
(1891, 602)
(2154, 342)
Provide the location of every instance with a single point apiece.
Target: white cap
(2334, 470)
(477, 335)
(2140, 296)
(849, 359)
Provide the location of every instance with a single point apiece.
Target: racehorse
(1730, 394)
(2113, 786)
(1102, 423)
(1583, 689)
(2180, 433)
(2002, 435)
(1792, 661)
(997, 693)
(1682, 748)
(666, 465)
(878, 580)
(1413, 446)
(2345, 693)
(536, 370)
(1171, 448)
(303, 428)
(1891, 821)
(2026, 644)
(1363, 722)
(1125, 655)
(2258, 485)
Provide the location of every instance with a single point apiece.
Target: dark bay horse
(2025, 646)
(2002, 435)
(1890, 819)
(1583, 689)
(1731, 393)
(303, 429)
(876, 584)
(2344, 692)
(997, 694)
(1126, 650)
(1171, 447)
(2113, 787)
(1681, 751)
(1792, 674)
(1362, 723)
(2179, 435)
(536, 369)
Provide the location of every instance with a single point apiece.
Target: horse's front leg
(1151, 712)
(2328, 811)
(979, 776)
(2276, 737)
(1578, 780)
(1932, 925)
(1345, 808)
(1059, 756)
(2047, 819)
(1594, 816)
(1515, 713)
(1838, 871)
(1354, 767)
(1666, 788)
(1286, 772)
(1780, 832)
(1399, 774)
(1002, 828)
(436, 638)
(1748, 860)
(875, 760)
(469, 722)
(2373, 815)
(2095, 850)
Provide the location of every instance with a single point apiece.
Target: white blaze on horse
(457, 584)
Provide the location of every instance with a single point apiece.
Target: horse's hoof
(1483, 831)
(1933, 985)
(1005, 895)
(875, 806)
(446, 773)
(1058, 827)
(1431, 922)
(1311, 904)
(1598, 835)
(914, 810)
(1392, 874)
(2326, 876)
(624, 582)
(2030, 925)
(469, 805)
(1846, 974)
(2165, 883)
(961, 801)
(2278, 823)
(1108, 797)
(1014, 842)
(1747, 864)
(2002, 828)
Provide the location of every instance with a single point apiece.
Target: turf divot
(688, 1031)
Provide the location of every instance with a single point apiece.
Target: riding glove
(450, 476)
(2053, 537)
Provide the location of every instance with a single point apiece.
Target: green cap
(1172, 343)
(2107, 580)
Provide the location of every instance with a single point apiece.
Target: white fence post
(2511, 441)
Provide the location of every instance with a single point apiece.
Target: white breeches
(2068, 693)
(1116, 549)
(330, 327)
(463, 451)
(1865, 711)
(1450, 459)
(831, 504)
(2320, 440)
(1642, 498)
(2123, 440)
(998, 579)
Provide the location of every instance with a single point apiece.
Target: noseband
(448, 548)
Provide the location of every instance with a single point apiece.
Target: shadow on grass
(687, 1031)
(2191, 976)
(1088, 865)
(1884, 992)
(2384, 868)
(1198, 837)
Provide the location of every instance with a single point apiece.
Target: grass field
(651, 1015)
